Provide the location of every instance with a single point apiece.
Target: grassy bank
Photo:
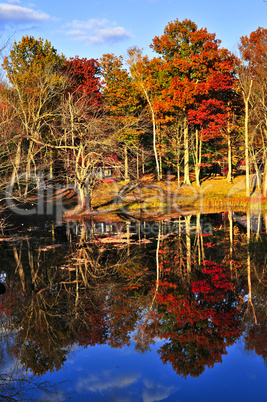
(165, 197)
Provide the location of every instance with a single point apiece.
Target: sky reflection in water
(195, 300)
(101, 373)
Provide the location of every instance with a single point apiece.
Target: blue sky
(90, 28)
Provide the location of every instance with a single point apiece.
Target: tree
(32, 68)
(124, 105)
(252, 75)
(246, 83)
(82, 135)
(85, 79)
(143, 72)
(199, 75)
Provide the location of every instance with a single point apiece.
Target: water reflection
(198, 283)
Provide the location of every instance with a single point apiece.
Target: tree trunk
(143, 163)
(154, 131)
(198, 158)
(186, 153)
(178, 157)
(246, 101)
(14, 176)
(126, 165)
(28, 168)
(160, 166)
(137, 166)
(246, 149)
(178, 175)
(257, 172)
(265, 178)
(229, 174)
(52, 162)
(85, 197)
(154, 144)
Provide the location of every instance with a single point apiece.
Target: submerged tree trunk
(250, 300)
(19, 267)
(188, 243)
(231, 238)
(199, 236)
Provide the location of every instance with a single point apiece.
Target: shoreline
(149, 200)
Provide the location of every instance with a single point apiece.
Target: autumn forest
(192, 107)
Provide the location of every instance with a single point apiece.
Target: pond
(130, 310)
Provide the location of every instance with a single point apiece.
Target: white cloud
(105, 381)
(11, 13)
(156, 392)
(75, 32)
(110, 35)
(59, 397)
(95, 31)
(139, 1)
(91, 24)
(155, 395)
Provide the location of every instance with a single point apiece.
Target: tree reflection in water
(191, 288)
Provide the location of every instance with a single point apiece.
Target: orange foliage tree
(123, 104)
(252, 74)
(199, 81)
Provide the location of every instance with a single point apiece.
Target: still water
(127, 310)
